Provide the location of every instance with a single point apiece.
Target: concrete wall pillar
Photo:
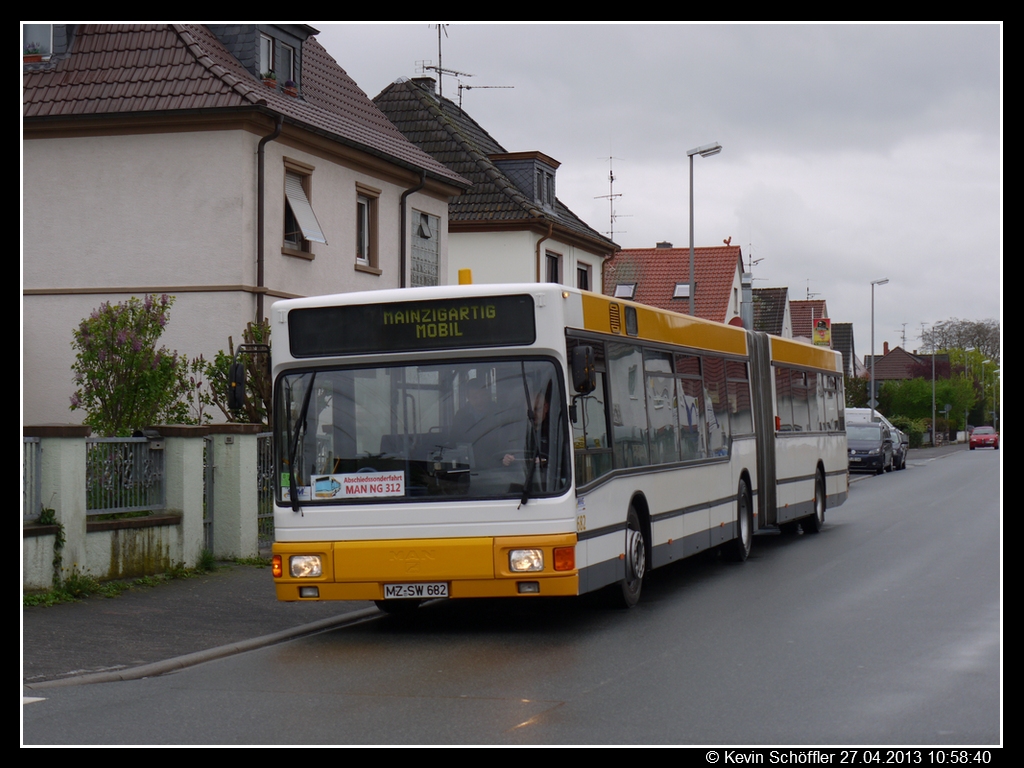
(235, 498)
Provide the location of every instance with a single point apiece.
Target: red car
(984, 437)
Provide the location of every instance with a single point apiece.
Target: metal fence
(123, 474)
(31, 479)
(265, 487)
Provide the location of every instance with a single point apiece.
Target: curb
(192, 659)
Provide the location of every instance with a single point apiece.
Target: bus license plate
(417, 591)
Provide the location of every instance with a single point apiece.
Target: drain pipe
(403, 238)
(260, 202)
(551, 228)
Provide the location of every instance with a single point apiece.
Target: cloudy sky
(851, 153)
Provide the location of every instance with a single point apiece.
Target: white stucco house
(156, 160)
(509, 226)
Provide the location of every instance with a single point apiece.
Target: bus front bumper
(457, 568)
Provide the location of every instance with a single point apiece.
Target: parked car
(871, 447)
(900, 439)
(984, 437)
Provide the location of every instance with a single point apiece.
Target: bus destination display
(412, 325)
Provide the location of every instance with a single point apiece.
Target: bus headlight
(526, 560)
(305, 566)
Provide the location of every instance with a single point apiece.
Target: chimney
(885, 348)
(428, 84)
(663, 244)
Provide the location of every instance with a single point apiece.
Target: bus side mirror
(584, 378)
(236, 387)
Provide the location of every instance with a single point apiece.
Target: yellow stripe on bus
(667, 327)
(807, 355)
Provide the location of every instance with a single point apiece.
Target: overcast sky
(851, 153)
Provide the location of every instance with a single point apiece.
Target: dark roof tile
(123, 69)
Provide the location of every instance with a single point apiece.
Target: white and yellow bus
(532, 440)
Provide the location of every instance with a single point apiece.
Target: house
(510, 226)
(897, 364)
(771, 311)
(158, 160)
(804, 313)
(842, 342)
(660, 276)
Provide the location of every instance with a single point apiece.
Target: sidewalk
(149, 625)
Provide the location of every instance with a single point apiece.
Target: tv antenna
(471, 87)
(610, 197)
(426, 66)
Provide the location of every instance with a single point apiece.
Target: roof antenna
(610, 197)
(439, 69)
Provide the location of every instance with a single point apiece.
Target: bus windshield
(471, 429)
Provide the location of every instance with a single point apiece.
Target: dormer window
(37, 39)
(266, 55)
(545, 189)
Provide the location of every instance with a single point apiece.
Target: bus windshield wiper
(294, 450)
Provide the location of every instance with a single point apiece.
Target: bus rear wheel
(738, 549)
(814, 523)
(636, 562)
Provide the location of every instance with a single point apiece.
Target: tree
(912, 398)
(259, 388)
(982, 335)
(123, 381)
(856, 392)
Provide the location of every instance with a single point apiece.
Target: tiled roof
(803, 314)
(449, 135)
(770, 309)
(150, 68)
(657, 270)
(900, 365)
(842, 341)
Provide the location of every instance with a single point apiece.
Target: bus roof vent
(613, 317)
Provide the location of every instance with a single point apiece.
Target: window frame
(553, 260)
(309, 229)
(367, 256)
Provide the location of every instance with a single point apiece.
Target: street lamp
(706, 151)
(874, 360)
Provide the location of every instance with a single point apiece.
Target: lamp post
(871, 394)
(706, 151)
(984, 397)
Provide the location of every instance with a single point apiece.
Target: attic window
(625, 290)
(545, 190)
(682, 291)
(37, 39)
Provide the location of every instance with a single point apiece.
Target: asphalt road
(884, 629)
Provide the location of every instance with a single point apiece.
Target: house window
(583, 277)
(625, 290)
(553, 271)
(545, 188)
(36, 39)
(285, 65)
(366, 228)
(301, 227)
(682, 291)
(266, 55)
(425, 249)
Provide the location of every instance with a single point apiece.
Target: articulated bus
(532, 440)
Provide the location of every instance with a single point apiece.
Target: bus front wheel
(636, 561)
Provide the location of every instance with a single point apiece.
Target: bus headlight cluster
(305, 566)
(526, 560)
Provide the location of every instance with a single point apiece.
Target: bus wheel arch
(816, 520)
